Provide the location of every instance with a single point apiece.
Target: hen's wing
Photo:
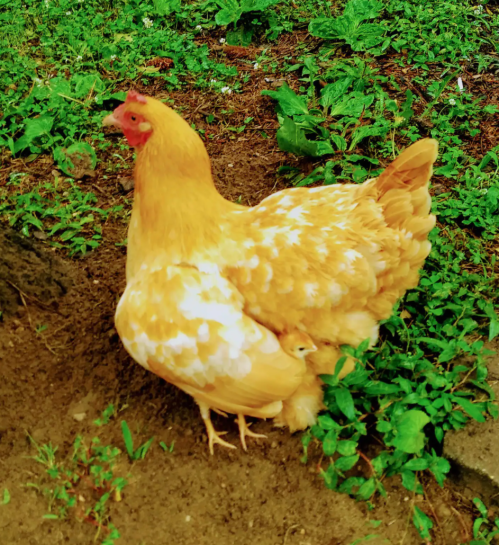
(189, 328)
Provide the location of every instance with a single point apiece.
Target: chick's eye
(301, 348)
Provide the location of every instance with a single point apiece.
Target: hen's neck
(177, 210)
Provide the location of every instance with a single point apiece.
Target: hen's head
(140, 117)
(297, 344)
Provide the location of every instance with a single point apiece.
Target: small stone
(127, 183)
(96, 281)
(406, 498)
(40, 235)
(230, 165)
(302, 532)
(273, 444)
(188, 518)
(250, 524)
(79, 417)
(81, 498)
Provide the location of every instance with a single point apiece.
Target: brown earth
(76, 366)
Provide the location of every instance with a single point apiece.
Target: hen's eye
(133, 118)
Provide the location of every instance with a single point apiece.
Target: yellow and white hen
(213, 286)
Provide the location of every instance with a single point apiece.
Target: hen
(243, 308)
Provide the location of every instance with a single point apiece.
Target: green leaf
(289, 102)
(242, 35)
(352, 105)
(473, 410)
(367, 489)
(422, 522)
(329, 443)
(439, 467)
(379, 129)
(409, 437)
(345, 403)
(410, 482)
(493, 329)
(291, 138)
(381, 388)
(166, 7)
(339, 142)
(327, 423)
(6, 497)
(86, 84)
(34, 128)
(416, 464)
(127, 437)
(346, 462)
(333, 92)
(228, 15)
(349, 484)
(481, 507)
(142, 450)
(362, 10)
(347, 448)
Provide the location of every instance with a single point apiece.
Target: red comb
(135, 96)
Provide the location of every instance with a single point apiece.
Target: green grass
(60, 211)
(65, 63)
(90, 472)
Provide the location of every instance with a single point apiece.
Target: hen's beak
(111, 120)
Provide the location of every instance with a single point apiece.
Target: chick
(300, 410)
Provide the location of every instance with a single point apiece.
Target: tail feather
(412, 169)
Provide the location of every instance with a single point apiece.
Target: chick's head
(297, 344)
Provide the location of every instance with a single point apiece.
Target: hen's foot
(213, 436)
(245, 431)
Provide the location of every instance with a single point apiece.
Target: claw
(213, 436)
(245, 431)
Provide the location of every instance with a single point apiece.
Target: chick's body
(212, 287)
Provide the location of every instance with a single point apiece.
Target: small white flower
(147, 22)
(79, 58)
(478, 10)
(47, 3)
(256, 66)
(39, 82)
(213, 81)
(222, 40)
(68, 13)
(452, 102)
(226, 90)
(113, 57)
(199, 27)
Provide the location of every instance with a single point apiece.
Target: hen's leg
(213, 436)
(245, 431)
